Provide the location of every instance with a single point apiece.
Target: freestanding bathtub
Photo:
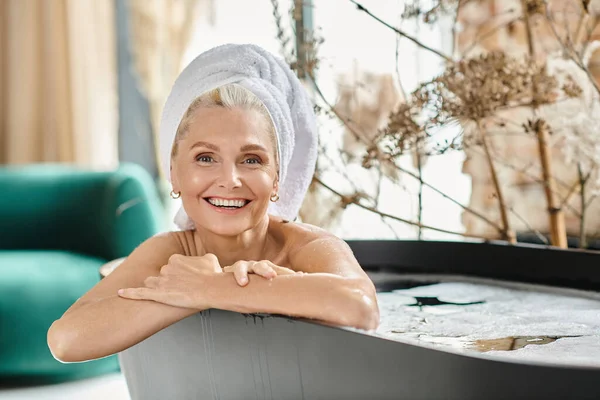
(224, 355)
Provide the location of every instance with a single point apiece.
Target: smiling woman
(240, 154)
(224, 160)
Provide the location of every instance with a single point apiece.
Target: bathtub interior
(502, 319)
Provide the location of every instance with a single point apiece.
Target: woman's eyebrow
(249, 147)
(205, 144)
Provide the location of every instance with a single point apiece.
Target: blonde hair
(227, 96)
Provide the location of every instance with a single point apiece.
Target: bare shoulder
(158, 248)
(314, 249)
(302, 234)
(294, 235)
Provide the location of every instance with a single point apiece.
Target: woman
(225, 164)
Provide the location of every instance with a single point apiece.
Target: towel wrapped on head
(286, 100)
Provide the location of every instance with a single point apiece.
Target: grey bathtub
(224, 355)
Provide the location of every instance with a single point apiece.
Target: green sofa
(58, 225)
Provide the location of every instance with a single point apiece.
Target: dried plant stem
(361, 138)
(477, 214)
(528, 31)
(401, 33)
(535, 231)
(580, 25)
(393, 217)
(558, 232)
(524, 169)
(417, 154)
(590, 31)
(582, 182)
(591, 199)
(489, 33)
(454, 26)
(281, 36)
(506, 231)
(572, 53)
(575, 188)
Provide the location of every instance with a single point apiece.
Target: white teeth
(227, 203)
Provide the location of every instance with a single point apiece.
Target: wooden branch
(506, 232)
(525, 169)
(558, 230)
(506, 164)
(401, 33)
(382, 214)
(582, 181)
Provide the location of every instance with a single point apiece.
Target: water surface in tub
(517, 321)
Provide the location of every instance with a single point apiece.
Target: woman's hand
(264, 268)
(181, 283)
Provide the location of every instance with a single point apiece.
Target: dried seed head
(535, 7)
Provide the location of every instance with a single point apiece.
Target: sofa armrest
(55, 206)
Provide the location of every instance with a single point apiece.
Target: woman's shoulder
(175, 242)
(298, 234)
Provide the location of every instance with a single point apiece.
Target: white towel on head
(276, 85)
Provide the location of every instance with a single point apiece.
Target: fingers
(240, 271)
(283, 270)
(137, 293)
(264, 268)
(152, 282)
(179, 262)
(211, 262)
(279, 270)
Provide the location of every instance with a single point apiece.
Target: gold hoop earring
(175, 195)
(274, 198)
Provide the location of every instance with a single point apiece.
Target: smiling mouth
(227, 204)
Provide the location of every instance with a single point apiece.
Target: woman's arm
(101, 323)
(334, 288)
(325, 297)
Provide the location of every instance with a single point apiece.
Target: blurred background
(83, 82)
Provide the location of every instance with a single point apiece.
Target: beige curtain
(58, 82)
(160, 33)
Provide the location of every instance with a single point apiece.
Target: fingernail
(121, 291)
(244, 280)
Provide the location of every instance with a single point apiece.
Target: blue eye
(252, 160)
(204, 158)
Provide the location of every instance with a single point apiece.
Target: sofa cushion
(36, 288)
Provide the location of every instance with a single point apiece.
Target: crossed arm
(331, 287)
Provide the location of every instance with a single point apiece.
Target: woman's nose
(229, 177)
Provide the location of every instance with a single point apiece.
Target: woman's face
(225, 169)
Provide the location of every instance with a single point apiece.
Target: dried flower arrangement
(540, 87)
